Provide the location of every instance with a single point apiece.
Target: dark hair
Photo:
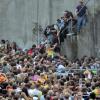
(28, 85)
(25, 91)
(44, 91)
(14, 86)
(4, 91)
(26, 80)
(61, 82)
(33, 46)
(4, 85)
(3, 41)
(4, 64)
(88, 85)
(92, 96)
(48, 97)
(58, 20)
(58, 77)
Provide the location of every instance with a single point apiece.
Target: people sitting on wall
(50, 33)
(68, 24)
(63, 27)
(52, 38)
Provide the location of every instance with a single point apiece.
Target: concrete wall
(17, 18)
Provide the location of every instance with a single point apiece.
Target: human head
(81, 2)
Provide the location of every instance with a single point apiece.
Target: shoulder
(42, 97)
(77, 6)
(85, 7)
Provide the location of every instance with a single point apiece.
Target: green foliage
(36, 28)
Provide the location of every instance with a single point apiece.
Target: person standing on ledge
(81, 12)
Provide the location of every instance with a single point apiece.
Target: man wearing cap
(81, 12)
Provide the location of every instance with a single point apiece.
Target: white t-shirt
(37, 92)
(30, 92)
(18, 66)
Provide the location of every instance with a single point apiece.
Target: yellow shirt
(97, 91)
(45, 86)
(50, 52)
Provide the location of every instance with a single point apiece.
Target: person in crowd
(37, 75)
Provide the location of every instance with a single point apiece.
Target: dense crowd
(42, 73)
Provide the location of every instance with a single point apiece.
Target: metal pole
(95, 30)
(94, 26)
(38, 22)
(25, 36)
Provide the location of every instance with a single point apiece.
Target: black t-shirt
(81, 9)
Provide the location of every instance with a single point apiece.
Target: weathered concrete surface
(17, 18)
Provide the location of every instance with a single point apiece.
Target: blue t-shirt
(42, 97)
(82, 10)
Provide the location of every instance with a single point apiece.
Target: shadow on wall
(95, 30)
